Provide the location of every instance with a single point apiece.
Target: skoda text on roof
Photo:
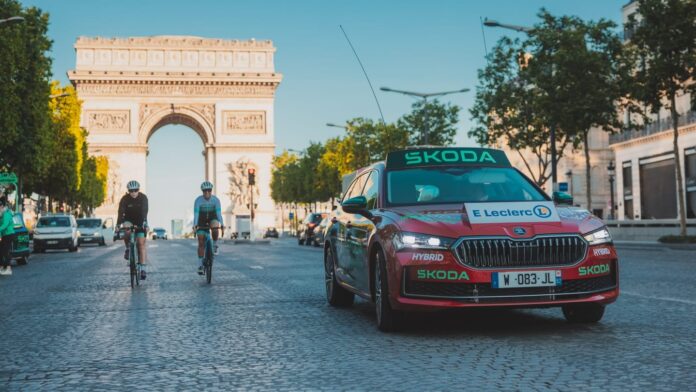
(444, 228)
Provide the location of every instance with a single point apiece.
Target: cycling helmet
(207, 186)
(133, 185)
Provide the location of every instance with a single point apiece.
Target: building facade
(222, 89)
(645, 161)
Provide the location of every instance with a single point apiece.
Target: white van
(95, 230)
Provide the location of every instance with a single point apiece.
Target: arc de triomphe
(222, 89)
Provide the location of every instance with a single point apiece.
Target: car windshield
(89, 223)
(54, 221)
(443, 185)
(159, 230)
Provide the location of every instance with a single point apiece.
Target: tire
(39, 250)
(72, 248)
(209, 257)
(336, 295)
(583, 313)
(300, 242)
(102, 242)
(23, 260)
(388, 319)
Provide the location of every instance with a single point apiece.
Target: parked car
(271, 232)
(56, 231)
(159, 233)
(318, 238)
(95, 230)
(307, 227)
(20, 245)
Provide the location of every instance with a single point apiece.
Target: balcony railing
(654, 127)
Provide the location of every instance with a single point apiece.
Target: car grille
(507, 252)
(483, 292)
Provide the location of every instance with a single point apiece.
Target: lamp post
(611, 169)
(12, 19)
(424, 97)
(336, 126)
(552, 128)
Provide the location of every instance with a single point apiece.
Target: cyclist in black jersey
(132, 211)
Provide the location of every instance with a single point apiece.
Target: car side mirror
(357, 205)
(562, 198)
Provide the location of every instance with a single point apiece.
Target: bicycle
(132, 262)
(208, 254)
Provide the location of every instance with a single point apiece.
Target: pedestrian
(6, 237)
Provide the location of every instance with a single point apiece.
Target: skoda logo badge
(519, 230)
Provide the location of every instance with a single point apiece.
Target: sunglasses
(134, 191)
(207, 190)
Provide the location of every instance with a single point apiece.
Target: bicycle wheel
(208, 261)
(136, 270)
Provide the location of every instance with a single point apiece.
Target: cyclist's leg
(142, 253)
(215, 229)
(126, 242)
(201, 234)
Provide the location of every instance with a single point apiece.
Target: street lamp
(336, 126)
(611, 169)
(494, 23)
(12, 19)
(425, 97)
(552, 128)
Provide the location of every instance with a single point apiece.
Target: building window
(658, 194)
(690, 171)
(627, 176)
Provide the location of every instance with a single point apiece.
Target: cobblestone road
(71, 322)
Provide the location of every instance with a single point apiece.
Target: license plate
(51, 242)
(503, 280)
(86, 239)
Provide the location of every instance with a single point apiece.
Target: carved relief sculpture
(239, 185)
(236, 122)
(108, 121)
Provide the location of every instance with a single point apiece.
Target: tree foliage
(25, 71)
(439, 119)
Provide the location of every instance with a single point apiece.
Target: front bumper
(94, 239)
(593, 279)
(53, 243)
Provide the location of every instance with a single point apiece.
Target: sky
(425, 46)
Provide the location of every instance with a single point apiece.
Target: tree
(511, 108)
(441, 123)
(588, 78)
(25, 71)
(664, 38)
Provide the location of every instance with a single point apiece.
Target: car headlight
(597, 237)
(421, 241)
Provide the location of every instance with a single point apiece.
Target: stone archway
(222, 89)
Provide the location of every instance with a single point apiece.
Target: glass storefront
(627, 176)
(658, 191)
(690, 181)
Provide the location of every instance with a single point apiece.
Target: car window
(371, 190)
(459, 185)
(356, 189)
(89, 223)
(54, 221)
(18, 220)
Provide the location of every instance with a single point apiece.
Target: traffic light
(252, 176)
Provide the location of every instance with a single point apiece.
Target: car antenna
(364, 72)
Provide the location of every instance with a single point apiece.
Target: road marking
(255, 267)
(683, 301)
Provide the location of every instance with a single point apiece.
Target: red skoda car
(437, 228)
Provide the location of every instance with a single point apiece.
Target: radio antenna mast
(364, 72)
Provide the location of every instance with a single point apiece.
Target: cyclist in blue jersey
(207, 216)
(132, 210)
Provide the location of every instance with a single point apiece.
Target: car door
(344, 235)
(360, 230)
(108, 229)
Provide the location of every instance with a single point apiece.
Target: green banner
(8, 178)
(446, 156)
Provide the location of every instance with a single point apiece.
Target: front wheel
(335, 294)
(583, 313)
(388, 319)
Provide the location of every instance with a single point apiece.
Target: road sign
(563, 186)
(291, 216)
